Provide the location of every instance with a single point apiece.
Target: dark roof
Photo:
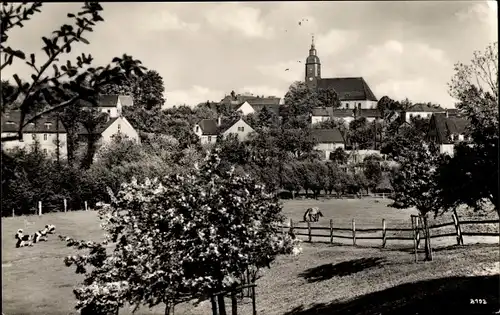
(99, 129)
(209, 127)
(330, 111)
(348, 89)
(425, 108)
(327, 135)
(442, 127)
(369, 113)
(12, 119)
(108, 100)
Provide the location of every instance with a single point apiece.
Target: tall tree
(474, 167)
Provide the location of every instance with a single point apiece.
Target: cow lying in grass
(42, 234)
(23, 240)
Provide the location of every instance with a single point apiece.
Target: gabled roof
(45, 124)
(348, 89)
(442, 127)
(209, 127)
(126, 100)
(333, 112)
(368, 112)
(327, 135)
(425, 108)
(108, 100)
(99, 129)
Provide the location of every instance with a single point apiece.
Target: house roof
(348, 89)
(209, 127)
(333, 112)
(45, 124)
(108, 100)
(99, 129)
(368, 112)
(425, 108)
(126, 100)
(327, 135)
(442, 127)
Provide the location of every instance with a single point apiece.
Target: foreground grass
(325, 279)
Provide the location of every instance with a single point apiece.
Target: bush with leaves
(182, 237)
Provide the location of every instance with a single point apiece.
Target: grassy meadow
(325, 279)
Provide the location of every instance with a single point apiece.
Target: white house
(208, 129)
(328, 140)
(246, 108)
(421, 111)
(48, 131)
(113, 104)
(106, 131)
(319, 114)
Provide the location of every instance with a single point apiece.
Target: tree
(373, 170)
(180, 238)
(474, 165)
(361, 133)
(81, 79)
(414, 181)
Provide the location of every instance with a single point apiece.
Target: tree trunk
(222, 304)
(214, 305)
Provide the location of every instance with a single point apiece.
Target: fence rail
(307, 231)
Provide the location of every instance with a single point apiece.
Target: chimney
(219, 121)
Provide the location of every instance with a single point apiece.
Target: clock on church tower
(313, 66)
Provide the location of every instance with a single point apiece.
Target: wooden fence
(357, 233)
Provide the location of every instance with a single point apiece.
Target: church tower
(313, 67)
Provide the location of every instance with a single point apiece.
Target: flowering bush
(182, 237)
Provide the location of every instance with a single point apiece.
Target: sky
(203, 51)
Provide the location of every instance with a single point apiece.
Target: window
(119, 127)
(45, 136)
(47, 126)
(197, 128)
(109, 111)
(10, 123)
(461, 137)
(359, 105)
(241, 129)
(33, 136)
(209, 138)
(452, 137)
(347, 105)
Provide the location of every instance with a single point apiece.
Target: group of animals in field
(30, 239)
(312, 214)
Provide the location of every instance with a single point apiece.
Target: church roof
(348, 89)
(330, 111)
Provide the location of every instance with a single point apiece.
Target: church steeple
(313, 67)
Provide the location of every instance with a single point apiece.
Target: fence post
(214, 305)
(460, 240)
(65, 205)
(412, 217)
(254, 307)
(86, 208)
(234, 303)
(39, 208)
(384, 239)
(309, 231)
(353, 232)
(417, 233)
(291, 227)
(383, 195)
(13, 212)
(331, 231)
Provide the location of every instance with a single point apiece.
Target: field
(325, 279)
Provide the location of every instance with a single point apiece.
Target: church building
(353, 93)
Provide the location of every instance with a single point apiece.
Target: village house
(447, 131)
(328, 140)
(208, 129)
(421, 111)
(113, 104)
(107, 130)
(249, 104)
(48, 131)
(320, 114)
